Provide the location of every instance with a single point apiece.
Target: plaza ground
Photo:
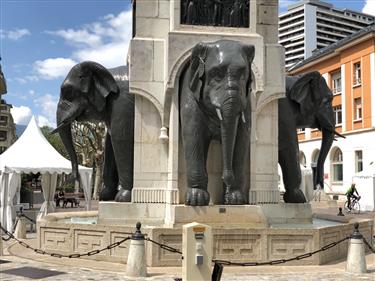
(83, 269)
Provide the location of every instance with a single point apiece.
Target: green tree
(89, 139)
(55, 141)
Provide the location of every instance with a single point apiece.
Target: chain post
(136, 265)
(218, 271)
(356, 234)
(356, 261)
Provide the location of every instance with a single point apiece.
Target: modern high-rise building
(310, 25)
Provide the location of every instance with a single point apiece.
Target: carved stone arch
(150, 97)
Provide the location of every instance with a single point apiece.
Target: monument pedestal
(217, 216)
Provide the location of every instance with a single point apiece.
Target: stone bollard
(136, 265)
(197, 252)
(20, 231)
(356, 262)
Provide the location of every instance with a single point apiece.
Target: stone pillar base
(264, 197)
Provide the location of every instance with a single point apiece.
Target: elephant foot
(234, 197)
(107, 194)
(197, 197)
(123, 195)
(294, 196)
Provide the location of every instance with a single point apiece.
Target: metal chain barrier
(372, 249)
(163, 246)
(28, 218)
(56, 255)
(273, 262)
(13, 230)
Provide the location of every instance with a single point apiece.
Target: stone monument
(164, 35)
(160, 49)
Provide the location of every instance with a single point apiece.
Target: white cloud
(369, 7)
(21, 115)
(105, 41)
(54, 67)
(109, 55)
(78, 37)
(18, 33)
(48, 106)
(43, 121)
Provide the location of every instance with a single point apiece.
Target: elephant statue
(215, 105)
(308, 104)
(92, 93)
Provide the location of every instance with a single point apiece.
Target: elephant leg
(110, 175)
(196, 141)
(197, 179)
(124, 159)
(234, 195)
(122, 133)
(289, 162)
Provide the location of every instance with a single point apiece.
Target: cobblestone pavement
(79, 269)
(280, 273)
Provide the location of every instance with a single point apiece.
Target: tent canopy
(32, 153)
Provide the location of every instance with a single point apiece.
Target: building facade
(349, 69)
(7, 127)
(311, 24)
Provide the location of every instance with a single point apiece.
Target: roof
(333, 47)
(32, 153)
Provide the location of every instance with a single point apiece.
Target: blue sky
(41, 40)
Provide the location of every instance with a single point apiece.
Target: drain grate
(32, 272)
(4, 261)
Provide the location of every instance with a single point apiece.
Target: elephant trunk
(327, 140)
(64, 122)
(229, 126)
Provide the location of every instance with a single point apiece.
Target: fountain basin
(253, 241)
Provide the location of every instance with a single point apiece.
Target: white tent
(32, 153)
(365, 184)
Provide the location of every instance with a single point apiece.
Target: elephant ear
(104, 84)
(304, 93)
(249, 51)
(197, 68)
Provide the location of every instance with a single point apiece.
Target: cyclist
(350, 194)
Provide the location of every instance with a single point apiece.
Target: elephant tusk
(243, 117)
(218, 112)
(63, 124)
(336, 133)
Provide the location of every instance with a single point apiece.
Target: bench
(72, 198)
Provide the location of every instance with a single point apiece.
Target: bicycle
(355, 207)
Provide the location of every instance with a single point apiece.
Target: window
(2, 149)
(337, 169)
(3, 135)
(338, 114)
(358, 161)
(336, 82)
(357, 108)
(357, 74)
(3, 120)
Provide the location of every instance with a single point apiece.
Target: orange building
(349, 69)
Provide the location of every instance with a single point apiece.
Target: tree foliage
(55, 141)
(89, 139)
